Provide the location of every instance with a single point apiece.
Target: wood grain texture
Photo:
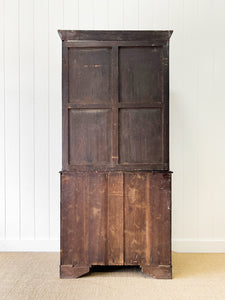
(126, 78)
(135, 211)
(89, 136)
(89, 75)
(116, 218)
(115, 238)
(140, 136)
(160, 228)
(140, 74)
(117, 35)
(115, 109)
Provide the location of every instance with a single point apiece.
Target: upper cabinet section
(115, 90)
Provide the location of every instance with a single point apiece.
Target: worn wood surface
(115, 100)
(111, 35)
(120, 218)
(115, 179)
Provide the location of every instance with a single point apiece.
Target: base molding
(158, 272)
(70, 271)
(30, 245)
(198, 246)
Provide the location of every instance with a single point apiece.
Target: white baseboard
(198, 246)
(178, 245)
(29, 246)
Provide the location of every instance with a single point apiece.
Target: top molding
(118, 35)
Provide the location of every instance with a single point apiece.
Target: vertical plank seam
(213, 84)
(183, 53)
(107, 221)
(19, 113)
(123, 12)
(124, 227)
(4, 118)
(148, 207)
(107, 14)
(138, 8)
(49, 234)
(93, 15)
(78, 14)
(198, 138)
(34, 119)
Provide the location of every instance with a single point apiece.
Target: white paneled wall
(30, 113)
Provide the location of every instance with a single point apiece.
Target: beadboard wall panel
(30, 113)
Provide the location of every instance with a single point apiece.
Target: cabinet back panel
(140, 73)
(140, 135)
(89, 75)
(115, 218)
(89, 136)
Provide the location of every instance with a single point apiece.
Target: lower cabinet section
(116, 218)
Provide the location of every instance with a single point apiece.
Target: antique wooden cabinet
(115, 178)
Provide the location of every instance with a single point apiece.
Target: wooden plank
(2, 122)
(130, 14)
(55, 119)
(208, 140)
(160, 14)
(146, 14)
(86, 16)
(160, 219)
(41, 126)
(27, 137)
(190, 133)
(115, 17)
(73, 231)
(100, 14)
(12, 121)
(135, 218)
(177, 116)
(96, 218)
(115, 219)
(70, 14)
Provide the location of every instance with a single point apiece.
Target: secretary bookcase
(115, 178)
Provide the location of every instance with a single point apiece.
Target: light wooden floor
(36, 276)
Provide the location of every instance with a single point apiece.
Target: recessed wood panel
(140, 74)
(137, 212)
(140, 135)
(83, 218)
(89, 75)
(89, 136)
